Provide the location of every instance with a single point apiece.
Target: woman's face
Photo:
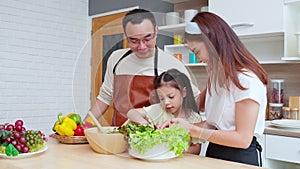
(171, 99)
(200, 50)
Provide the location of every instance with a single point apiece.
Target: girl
(235, 98)
(176, 98)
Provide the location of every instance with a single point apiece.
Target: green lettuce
(142, 138)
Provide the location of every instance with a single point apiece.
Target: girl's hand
(176, 121)
(165, 125)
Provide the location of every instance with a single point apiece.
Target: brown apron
(132, 91)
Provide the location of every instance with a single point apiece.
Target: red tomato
(79, 131)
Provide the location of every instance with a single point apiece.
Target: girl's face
(200, 50)
(171, 99)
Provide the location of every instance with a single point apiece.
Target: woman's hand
(176, 121)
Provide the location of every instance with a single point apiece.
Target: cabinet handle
(242, 25)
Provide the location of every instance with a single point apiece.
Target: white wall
(40, 44)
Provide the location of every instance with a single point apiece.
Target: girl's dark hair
(231, 52)
(137, 16)
(178, 80)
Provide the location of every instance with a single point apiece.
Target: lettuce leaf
(176, 138)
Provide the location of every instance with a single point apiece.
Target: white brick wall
(44, 60)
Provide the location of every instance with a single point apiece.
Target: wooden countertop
(71, 156)
(289, 132)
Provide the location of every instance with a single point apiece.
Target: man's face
(141, 38)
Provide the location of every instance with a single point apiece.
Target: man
(130, 72)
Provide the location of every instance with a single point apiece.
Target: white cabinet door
(283, 148)
(248, 17)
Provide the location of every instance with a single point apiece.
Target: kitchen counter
(71, 156)
(289, 132)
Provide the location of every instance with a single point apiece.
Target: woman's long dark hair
(178, 80)
(231, 52)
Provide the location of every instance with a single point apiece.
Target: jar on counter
(277, 91)
(286, 112)
(294, 113)
(275, 111)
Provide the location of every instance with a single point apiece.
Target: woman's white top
(220, 107)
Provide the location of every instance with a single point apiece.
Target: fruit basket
(70, 139)
(69, 129)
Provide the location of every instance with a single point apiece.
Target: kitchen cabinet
(277, 21)
(270, 52)
(181, 49)
(292, 28)
(250, 17)
(177, 48)
(267, 28)
(283, 148)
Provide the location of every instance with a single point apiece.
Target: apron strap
(126, 54)
(155, 62)
(259, 148)
(130, 51)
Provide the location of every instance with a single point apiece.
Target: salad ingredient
(69, 125)
(79, 131)
(141, 138)
(65, 126)
(10, 127)
(11, 140)
(4, 134)
(19, 123)
(35, 140)
(76, 118)
(11, 150)
(87, 124)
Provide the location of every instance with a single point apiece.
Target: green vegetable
(142, 138)
(11, 150)
(65, 126)
(76, 118)
(4, 134)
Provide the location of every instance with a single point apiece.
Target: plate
(286, 123)
(25, 155)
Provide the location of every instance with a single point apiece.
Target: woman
(176, 98)
(235, 98)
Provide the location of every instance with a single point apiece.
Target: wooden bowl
(106, 143)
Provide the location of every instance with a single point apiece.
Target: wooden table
(81, 156)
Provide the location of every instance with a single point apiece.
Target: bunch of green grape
(35, 140)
